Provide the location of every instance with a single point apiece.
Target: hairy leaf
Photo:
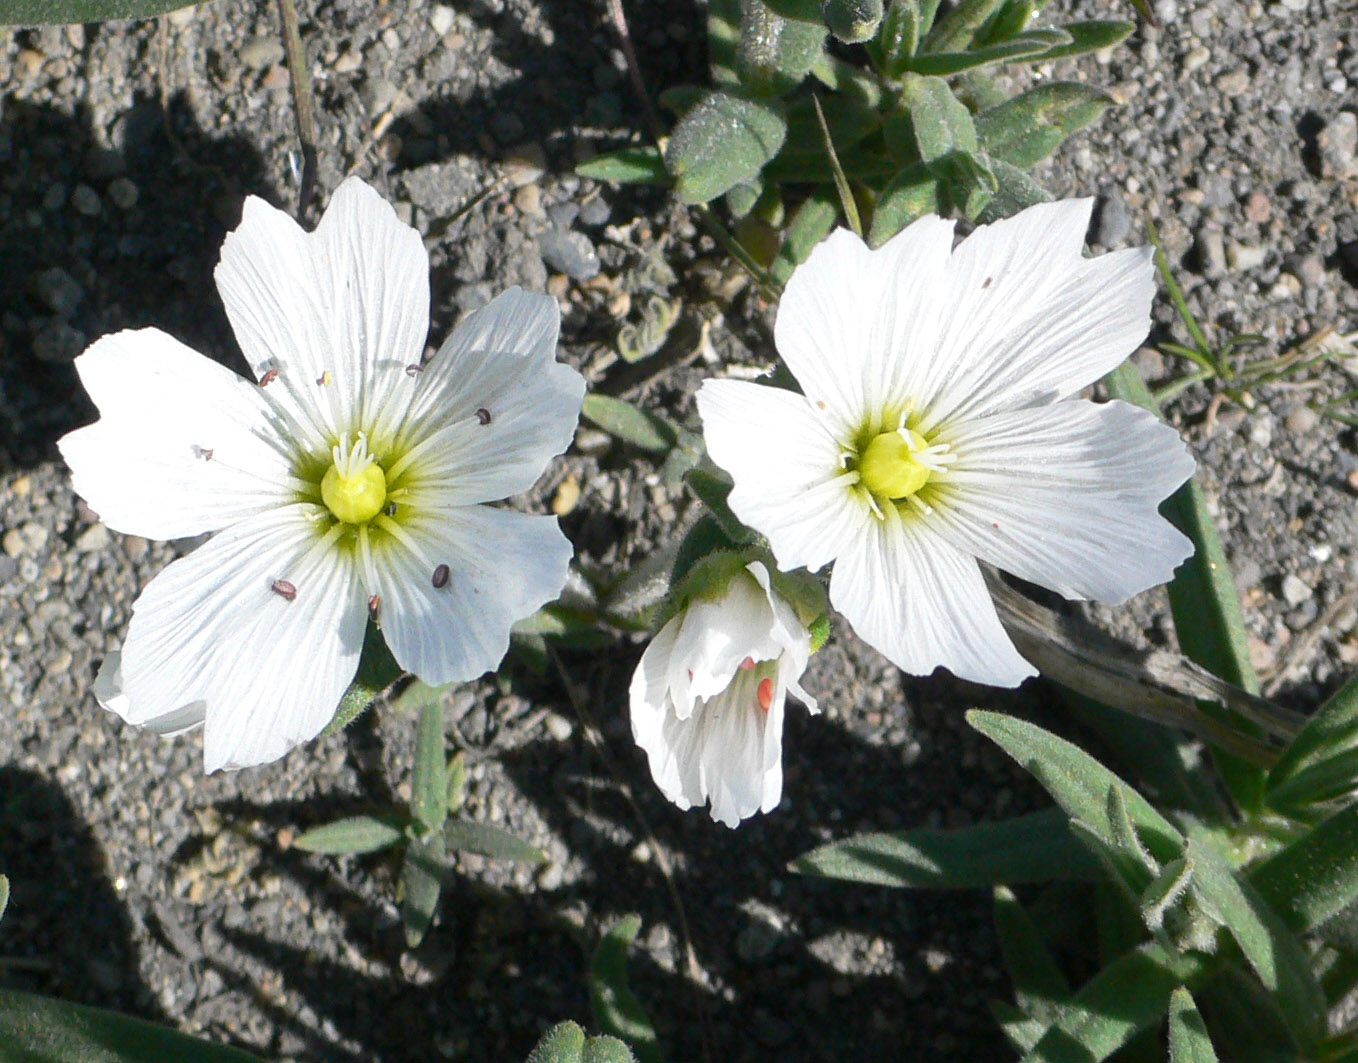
(724, 140)
(616, 1008)
(627, 166)
(356, 834)
(38, 12)
(464, 835)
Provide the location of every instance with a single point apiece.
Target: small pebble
(60, 291)
(86, 201)
(441, 19)
(1198, 57)
(92, 539)
(558, 726)
(570, 253)
(1114, 223)
(1301, 420)
(525, 164)
(123, 193)
(1241, 257)
(1295, 591)
(1258, 208)
(260, 52)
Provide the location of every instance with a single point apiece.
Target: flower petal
(717, 636)
(790, 635)
(494, 405)
(855, 326)
(351, 300)
(1028, 319)
(785, 464)
(210, 631)
(649, 692)
(183, 446)
(1066, 496)
(922, 603)
(502, 566)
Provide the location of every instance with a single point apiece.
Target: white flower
(707, 698)
(350, 480)
(939, 428)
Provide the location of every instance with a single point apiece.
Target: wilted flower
(348, 483)
(938, 428)
(707, 698)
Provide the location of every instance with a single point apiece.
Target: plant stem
(303, 104)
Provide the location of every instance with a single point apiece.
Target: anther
(375, 607)
(284, 589)
(765, 694)
(268, 378)
(747, 664)
(440, 577)
(483, 415)
(414, 369)
(324, 379)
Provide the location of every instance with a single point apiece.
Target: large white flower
(349, 481)
(707, 698)
(939, 427)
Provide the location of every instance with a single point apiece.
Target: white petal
(648, 694)
(856, 326)
(351, 300)
(502, 566)
(144, 466)
(1066, 496)
(790, 635)
(494, 405)
(717, 636)
(210, 629)
(1028, 319)
(785, 465)
(922, 603)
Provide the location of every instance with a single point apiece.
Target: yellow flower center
(890, 466)
(354, 488)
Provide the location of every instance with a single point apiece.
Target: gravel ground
(125, 151)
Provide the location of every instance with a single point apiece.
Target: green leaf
(1329, 741)
(377, 670)
(1188, 1040)
(848, 119)
(1278, 959)
(4, 894)
(955, 30)
(38, 12)
(810, 225)
(805, 10)
(1316, 876)
(847, 202)
(967, 181)
(356, 834)
(563, 1043)
(1011, 19)
(464, 835)
(723, 141)
(853, 21)
(774, 53)
(36, 1029)
(1079, 783)
(1089, 37)
(713, 486)
(1129, 995)
(1014, 191)
(627, 166)
(1039, 985)
(457, 782)
(1032, 848)
(429, 787)
(421, 883)
(1025, 130)
(1025, 46)
(616, 1008)
(911, 194)
(631, 424)
(605, 1049)
(898, 37)
(941, 122)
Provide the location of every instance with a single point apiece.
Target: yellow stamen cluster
(354, 488)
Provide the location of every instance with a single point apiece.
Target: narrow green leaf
(1033, 848)
(846, 200)
(805, 10)
(377, 670)
(911, 194)
(942, 124)
(1039, 985)
(724, 140)
(1330, 734)
(36, 1029)
(616, 1008)
(849, 120)
(1011, 19)
(627, 166)
(774, 53)
(966, 179)
(1318, 783)
(810, 225)
(1025, 46)
(1078, 782)
(631, 424)
(899, 37)
(356, 834)
(955, 30)
(457, 782)
(421, 883)
(1247, 1025)
(464, 835)
(1021, 1030)
(1089, 37)
(712, 486)
(1026, 129)
(1014, 191)
(4, 894)
(1188, 1040)
(1278, 959)
(1129, 995)
(429, 786)
(39, 12)
(1316, 876)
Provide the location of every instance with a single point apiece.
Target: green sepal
(724, 140)
(820, 632)
(377, 670)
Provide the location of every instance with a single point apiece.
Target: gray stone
(58, 343)
(86, 201)
(1295, 591)
(1113, 223)
(59, 291)
(569, 253)
(1338, 144)
(261, 52)
(1210, 251)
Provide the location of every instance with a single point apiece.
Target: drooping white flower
(939, 427)
(350, 480)
(707, 698)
